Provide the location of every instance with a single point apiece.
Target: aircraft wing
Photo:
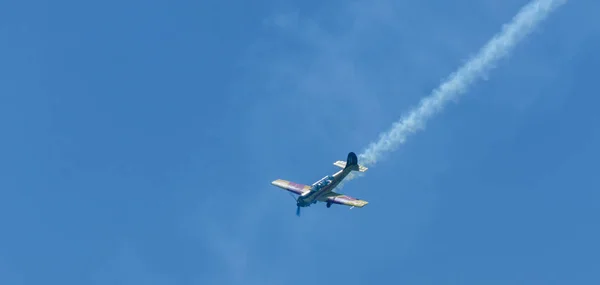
(291, 186)
(342, 199)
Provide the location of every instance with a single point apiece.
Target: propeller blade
(294, 197)
(298, 211)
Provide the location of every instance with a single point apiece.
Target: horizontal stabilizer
(342, 164)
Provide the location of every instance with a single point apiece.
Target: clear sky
(139, 140)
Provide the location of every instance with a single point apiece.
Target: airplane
(322, 190)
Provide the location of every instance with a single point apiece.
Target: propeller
(293, 197)
(298, 208)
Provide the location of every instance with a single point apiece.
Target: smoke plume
(522, 24)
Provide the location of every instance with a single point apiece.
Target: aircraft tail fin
(351, 163)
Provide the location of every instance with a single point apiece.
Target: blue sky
(139, 140)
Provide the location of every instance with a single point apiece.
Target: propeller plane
(322, 190)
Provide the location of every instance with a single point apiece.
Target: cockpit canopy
(323, 182)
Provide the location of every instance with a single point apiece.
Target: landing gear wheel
(328, 205)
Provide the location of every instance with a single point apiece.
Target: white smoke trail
(499, 46)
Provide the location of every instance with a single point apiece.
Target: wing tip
(279, 182)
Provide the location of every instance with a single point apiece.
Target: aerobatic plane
(322, 190)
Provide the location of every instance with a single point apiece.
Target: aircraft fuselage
(316, 193)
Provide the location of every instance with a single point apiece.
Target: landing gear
(328, 205)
